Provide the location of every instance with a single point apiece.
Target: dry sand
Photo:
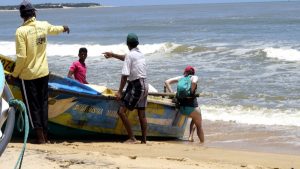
(153, 155)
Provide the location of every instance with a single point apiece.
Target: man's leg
(31, 91)
(121, 113)
(43, 88)
(143, 123)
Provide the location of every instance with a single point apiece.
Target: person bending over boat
(32, 66)
(78, 68)
(188, 105)
(135, 96)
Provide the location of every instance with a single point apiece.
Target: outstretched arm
(110, 55)
(55, 30)
(171, 81)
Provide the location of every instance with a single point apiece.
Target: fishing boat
(7, 113)
(77, 109)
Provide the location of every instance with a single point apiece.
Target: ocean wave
(94, 50)
(286, 54)
(252, 115)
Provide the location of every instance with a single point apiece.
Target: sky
(131, 2)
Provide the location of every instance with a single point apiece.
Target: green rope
(21, 109)
(20, 120)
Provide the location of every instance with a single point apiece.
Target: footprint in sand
(174, 158)
(133, 157)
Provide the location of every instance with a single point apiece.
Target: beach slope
(153, 155)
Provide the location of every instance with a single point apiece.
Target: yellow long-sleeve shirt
(31, 42)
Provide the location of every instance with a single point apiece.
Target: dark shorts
(188, 105)
(135, 96)
(186, 110)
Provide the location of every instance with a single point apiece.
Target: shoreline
(244, 137)
(155, 154)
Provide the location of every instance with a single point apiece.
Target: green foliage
(52, 5)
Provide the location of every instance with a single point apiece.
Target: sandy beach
(247, 58)
(153, 155)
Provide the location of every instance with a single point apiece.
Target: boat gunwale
(103, 97)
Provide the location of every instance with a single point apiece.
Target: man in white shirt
(135, 96)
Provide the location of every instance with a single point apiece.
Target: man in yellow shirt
(32, 66)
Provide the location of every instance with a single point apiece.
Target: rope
(21, 109)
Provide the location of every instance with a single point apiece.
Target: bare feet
(131, 141)
(191, 139)
(144, 140)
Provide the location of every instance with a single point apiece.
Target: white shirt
(194, 78)
(134, 65)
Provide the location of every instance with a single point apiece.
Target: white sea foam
(94, 50)
(251, 115)
(287, 54)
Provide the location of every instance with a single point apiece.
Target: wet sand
(260, 138)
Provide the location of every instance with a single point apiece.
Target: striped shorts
(135, 96)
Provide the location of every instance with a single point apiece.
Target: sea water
(247, 56)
